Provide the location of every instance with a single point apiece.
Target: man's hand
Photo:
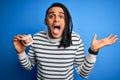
(19, 47)
(97, 44)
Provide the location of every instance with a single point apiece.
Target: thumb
(94, 37)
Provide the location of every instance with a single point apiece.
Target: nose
(56, 19)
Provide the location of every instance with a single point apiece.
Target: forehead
(55, 10)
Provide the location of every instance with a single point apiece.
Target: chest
(51, 54)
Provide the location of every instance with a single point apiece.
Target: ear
(45, 21)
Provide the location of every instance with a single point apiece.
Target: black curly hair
(66, 40)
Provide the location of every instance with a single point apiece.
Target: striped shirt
(55, 63)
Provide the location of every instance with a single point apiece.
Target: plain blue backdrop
(89, 17)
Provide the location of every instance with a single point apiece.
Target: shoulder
(75, 36)
(76, 39)
(40, 34)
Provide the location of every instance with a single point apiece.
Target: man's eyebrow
(54, 12)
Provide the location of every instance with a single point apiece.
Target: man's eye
(51, 16)
(61, 16)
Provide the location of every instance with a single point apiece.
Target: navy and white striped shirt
(55, 63)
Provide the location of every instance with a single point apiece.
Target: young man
(58, 50)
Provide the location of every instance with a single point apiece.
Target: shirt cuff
(91, 58)
(22, 55)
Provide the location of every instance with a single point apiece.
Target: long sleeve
(27, 60)
(84, 64)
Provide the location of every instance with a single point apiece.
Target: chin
(56, 36)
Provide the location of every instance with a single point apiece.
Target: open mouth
(56, 29)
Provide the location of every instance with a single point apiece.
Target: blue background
(89, 17)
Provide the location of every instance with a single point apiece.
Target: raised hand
(97, 44)
(19, 47)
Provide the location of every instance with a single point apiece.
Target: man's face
(55, 21)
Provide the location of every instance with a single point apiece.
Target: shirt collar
(52, 40)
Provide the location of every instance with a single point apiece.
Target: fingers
(18, 37)
(114, 38)
(110, 36)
